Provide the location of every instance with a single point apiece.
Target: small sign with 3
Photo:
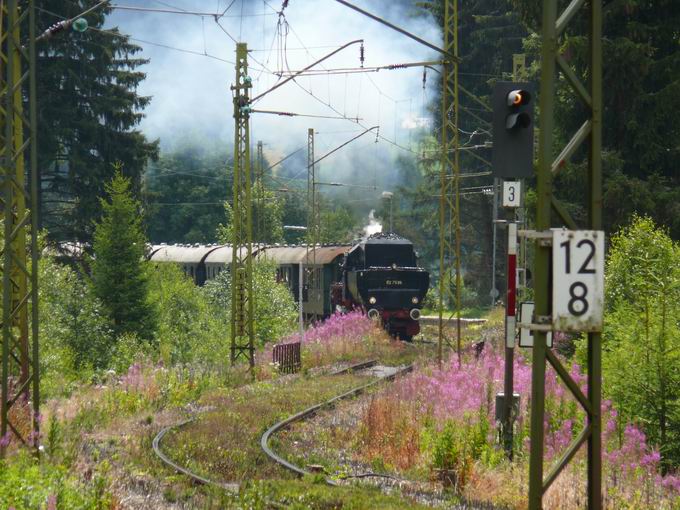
(578, 280)
(512, 190)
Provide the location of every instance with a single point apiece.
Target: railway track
(264, 442)
(233, 486)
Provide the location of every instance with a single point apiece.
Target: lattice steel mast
(20, 369)
(590, 132)
(242, 317)
(449, 202)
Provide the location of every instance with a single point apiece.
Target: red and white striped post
(511, 305)
(510, 323)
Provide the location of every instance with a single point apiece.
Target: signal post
(512, 159)
(568, 275)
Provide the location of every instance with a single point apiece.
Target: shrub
(188, 329)
(274, 307)
(26, 483)
(641, 342)
(75, 332)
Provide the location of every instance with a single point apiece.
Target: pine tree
(119, 272)
(183, 195)
(641, 73)
(88, 110)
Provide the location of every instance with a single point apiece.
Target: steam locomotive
(378, 275)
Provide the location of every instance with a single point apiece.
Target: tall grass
(443, 420)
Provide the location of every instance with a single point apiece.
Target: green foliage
(307, 495)
(75, 332)
(641, 347)
(27, 484)
(184, 192)
(188, 330)
(275, 309)
(639, 165)
(268, 218)
(89, 112)
(119, 273)
(272, 228)
(337, 226)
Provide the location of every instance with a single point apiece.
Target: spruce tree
(119, 274)
(88, 113)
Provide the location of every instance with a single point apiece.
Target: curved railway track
(264, 441)
(233, 486)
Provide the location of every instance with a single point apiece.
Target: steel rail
(264, 441)
(230, 486)
(181, 469)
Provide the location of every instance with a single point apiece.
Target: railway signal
(513, 133)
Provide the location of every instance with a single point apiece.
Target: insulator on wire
(424, 77)
(361, 55)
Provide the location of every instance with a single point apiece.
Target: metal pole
(595, 219)
(301, 282)
(542, 253)
(456, 180)
(449, 201)
(312, 213)
(20, 388)
(242, 306)
(259, 195)
(494, 290)
(547, 168)
(510, 323)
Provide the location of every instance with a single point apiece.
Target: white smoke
(374, 226)
(192, 97)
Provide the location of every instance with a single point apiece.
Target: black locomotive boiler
(380, 274)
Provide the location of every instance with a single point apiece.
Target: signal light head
(518, 98)
(518, 120)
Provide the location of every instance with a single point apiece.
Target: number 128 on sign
(578, 280)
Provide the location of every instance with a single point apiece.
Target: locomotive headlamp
(372, 300)
(414, 300)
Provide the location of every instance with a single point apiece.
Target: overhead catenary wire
(292, 114)
(184, 12)
(328, 104)
(122, 35)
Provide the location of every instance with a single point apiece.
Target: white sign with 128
(578, 280)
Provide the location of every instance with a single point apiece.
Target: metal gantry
(242, 296)
(19, 410)
(590, 133)
(449, 202)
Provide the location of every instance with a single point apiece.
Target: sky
(191, 88)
